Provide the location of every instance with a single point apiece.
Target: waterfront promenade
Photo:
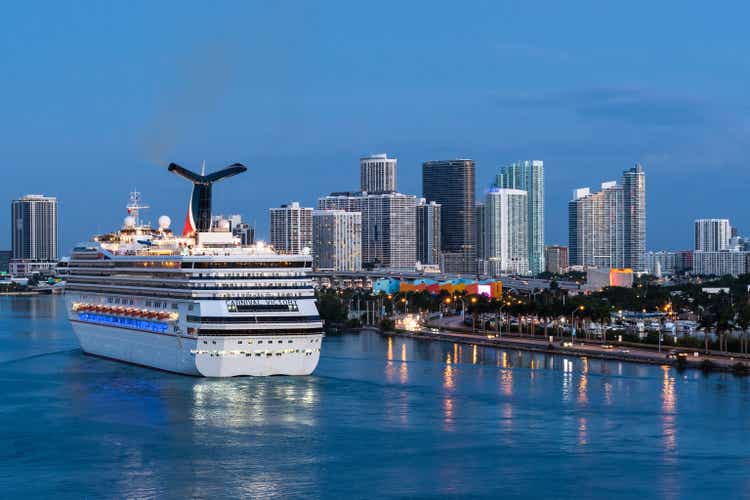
(452, 329)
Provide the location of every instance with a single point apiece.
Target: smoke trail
(193, 88)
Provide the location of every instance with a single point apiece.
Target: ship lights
(125, 311)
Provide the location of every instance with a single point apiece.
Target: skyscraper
(388, 226)
(451, 184)
(480, 237)
(596, 227)
(377, 174)
(291, 228)
(634, 204)
(506, 236)
(608, 228)
(34, 228)
(428, 232)
(337, 240)
(712, 235)
(529, 176)
(556, 259)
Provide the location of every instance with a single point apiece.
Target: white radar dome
(164, 222)
(129, 222)
(224, 225)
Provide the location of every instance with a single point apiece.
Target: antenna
(199, 212)
(134, 206)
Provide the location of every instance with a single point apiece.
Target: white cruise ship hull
(207, 357)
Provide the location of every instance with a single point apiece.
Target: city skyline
(684, 236)
(185, 95)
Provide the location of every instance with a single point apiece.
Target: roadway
(451, 328)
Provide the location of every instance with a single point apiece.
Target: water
(380, 417)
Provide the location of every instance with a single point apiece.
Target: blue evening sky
(97, 98)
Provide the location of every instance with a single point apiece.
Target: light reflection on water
(391, 415)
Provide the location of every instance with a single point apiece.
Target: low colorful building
(391, 286)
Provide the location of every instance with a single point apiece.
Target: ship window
(239, 341)
(190, 307)
(290, 341)
(260, 341)
(281, 341)
(205, 341)
(174, 305)
(213, 342)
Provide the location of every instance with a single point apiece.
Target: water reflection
(404, 368)
(669, 408)
(583, 439)
(389, 368)
(506, 382)
(669, 434)
(449, 384)
(583, 397)
(567, 379)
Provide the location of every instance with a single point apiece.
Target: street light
(474, 319)
(572, 321)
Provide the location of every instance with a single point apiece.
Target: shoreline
(634, 355)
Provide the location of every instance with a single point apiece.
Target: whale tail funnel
(198, 218)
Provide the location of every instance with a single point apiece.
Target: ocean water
(381, 417)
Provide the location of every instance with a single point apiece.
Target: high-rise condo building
(451, 184)
(720, 263)
(388, 226)
(291, 228)
(428, 232)
(634, 204)
(608, 228)
(556, 259)
(377, 174)
(529, 176)
(480, 237)
(34, 228)
(506, 226)
(337, 240)
(596, 228)
(712, 235)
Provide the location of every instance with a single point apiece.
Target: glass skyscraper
(34, 228)
(451, 184)
(506, 239)
(529, 176)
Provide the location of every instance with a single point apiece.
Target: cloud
(631, 106)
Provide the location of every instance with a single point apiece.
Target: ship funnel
(199, 212)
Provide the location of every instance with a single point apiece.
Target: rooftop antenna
(199, 212)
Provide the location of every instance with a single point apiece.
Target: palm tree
(707, 321)
(743, 321)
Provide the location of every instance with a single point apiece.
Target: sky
(96, 98)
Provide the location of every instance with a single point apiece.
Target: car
(624, 351)
(608, 346)
(567, 344)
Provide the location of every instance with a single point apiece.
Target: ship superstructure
(199, 303)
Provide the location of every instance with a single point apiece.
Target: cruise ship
(199, 303)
